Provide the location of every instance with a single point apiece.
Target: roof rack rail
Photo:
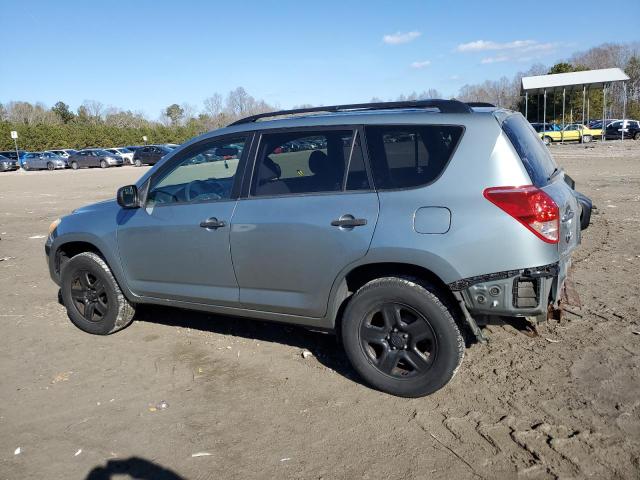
(480, 104)
(445, 106)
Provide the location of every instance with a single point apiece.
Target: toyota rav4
(400, 226)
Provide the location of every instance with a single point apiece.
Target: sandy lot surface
(563, 404)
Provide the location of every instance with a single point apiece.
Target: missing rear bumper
(521, 293)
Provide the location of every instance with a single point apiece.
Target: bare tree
(213, 105)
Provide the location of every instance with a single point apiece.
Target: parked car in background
(43, 161)
(13, 155)
(574, 132)
(150, 154)
(597, 123)
(397, 246)
(125, 153)
(630, 129)
(133, 148)
(63, 152)
(7, 164)
(94, 157)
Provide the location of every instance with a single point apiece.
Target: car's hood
(97, 207)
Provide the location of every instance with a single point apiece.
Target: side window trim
(183, 154)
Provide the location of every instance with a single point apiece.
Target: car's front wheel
(74, 165)
(137, 162)
(636, 136)
(103, 164)
(586, 139)
(547, 140)
(401, 338)
(92, 296)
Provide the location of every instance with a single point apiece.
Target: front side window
(300, 162)
(204, 174)
(410, 156)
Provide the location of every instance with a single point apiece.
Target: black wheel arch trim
(95, 244)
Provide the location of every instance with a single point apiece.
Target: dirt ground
(241, 401)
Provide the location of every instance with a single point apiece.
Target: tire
(137, 162)
(50, 166)
(26, 167)
(74, 165)
(424, 352)
(636, 136)
(586, 139)
(547, 140)
(103, 164)
(87, 278)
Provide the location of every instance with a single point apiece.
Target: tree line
(93, 124)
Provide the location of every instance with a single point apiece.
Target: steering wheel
(203, 190)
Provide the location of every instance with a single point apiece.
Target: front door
(177, 245)
(309, 214)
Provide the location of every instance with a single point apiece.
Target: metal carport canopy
(592, 78)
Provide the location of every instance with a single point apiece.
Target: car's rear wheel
(401, 338)
(103, 164)
(50, 166)
(137, 162)
(586, 139)
(636, 136)
(74, 165)
(25, 166)
(92, 296)
(547, 140)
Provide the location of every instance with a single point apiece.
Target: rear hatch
(547, 176)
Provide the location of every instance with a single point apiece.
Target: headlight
(53, 225)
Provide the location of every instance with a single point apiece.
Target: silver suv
(400, 226)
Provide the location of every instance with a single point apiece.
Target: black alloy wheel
(398, 340)
(89, 296)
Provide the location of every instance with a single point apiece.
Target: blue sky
(144, 55)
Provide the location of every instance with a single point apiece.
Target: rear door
(310, 212)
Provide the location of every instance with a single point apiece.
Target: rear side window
(410, 155)
(535, 156)
(299, 162)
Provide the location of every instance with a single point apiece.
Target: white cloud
(483, 45)
(400, 37)
(422, 64)
(501, 58)
(519, 46)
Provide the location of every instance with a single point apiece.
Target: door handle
(349, 221)
(212, 223)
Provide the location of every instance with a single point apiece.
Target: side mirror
(128, 197)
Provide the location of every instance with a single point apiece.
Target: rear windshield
(534, 154)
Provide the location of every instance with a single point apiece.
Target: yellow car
(574, 132)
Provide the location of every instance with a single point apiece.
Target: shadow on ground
(133, 467)
(324, 346)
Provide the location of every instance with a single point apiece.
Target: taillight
(531, 207)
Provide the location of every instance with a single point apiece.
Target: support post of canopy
(604, 108)
(564, 92)
(526, 105)
(544, 114)
(624, 108)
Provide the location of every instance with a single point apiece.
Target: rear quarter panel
(482, 238)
